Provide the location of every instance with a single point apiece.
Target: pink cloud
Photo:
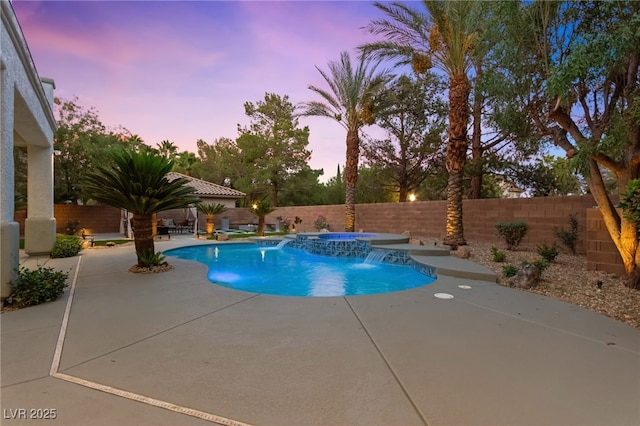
(183, 70)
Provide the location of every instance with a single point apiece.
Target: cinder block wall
(427, 219)
(96, 219)
(423, 219)
(602, 254)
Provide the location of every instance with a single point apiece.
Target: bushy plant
(569, 237)
(33, 287)
(541, 264)
(66, 246)
(320, 223)
(509, 271)
(498, 255)
(512, 232)
(548, 252)
(285, 223)
(147, 258)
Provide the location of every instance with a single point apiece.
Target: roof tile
(205, 188)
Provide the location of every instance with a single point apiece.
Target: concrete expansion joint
(161, 332)
(55, 365)
(549, 327)
(386, 362)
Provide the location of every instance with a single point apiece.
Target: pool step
(455, 267)
(413, 249)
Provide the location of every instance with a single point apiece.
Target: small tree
(211, 210)
(137, 182)
(569, 237)
(262, 209)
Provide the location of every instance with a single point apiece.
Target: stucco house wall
(26, 119)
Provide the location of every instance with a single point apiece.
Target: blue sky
(182, 71)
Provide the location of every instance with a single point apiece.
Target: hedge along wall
(96, 219)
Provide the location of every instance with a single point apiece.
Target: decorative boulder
(463, 252)
(527, 277)
(416, 242)
(223, 237)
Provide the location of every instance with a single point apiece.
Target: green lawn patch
(104, 243)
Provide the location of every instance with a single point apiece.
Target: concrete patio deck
(174, 349)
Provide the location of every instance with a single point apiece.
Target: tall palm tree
(350, 102)
(444, 38)
(211, 210)
(167, 149)
(137, 182)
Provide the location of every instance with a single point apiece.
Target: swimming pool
(294, 272)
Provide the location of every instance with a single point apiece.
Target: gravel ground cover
(567, 279)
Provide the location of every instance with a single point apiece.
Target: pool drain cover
(443, 296)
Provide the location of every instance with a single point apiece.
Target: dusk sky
(182, 71)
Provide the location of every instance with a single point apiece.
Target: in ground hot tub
(344, 235)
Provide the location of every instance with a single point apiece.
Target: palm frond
(137, 182)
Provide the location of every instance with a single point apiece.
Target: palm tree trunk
(476, 142)
(456, 156)
(351, 179)
(210, 224)
(261, 225)
(143, 236)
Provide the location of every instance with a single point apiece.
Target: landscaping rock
(527, 277)
(463, 252)
(223, 237)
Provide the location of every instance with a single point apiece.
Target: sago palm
(137, 182)
(211, 210)
(442, 36)
(350, 101)
(262, 209)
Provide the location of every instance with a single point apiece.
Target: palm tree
(184, 162)
(167, 149)
(211, 210)
(137, 182)
(350, 102)
(443, 38)
(262, 209)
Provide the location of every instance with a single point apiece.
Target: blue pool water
(293, 272)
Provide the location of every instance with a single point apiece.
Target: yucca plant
(211, 210)
(137, 182)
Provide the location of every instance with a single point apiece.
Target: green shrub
(320, 223)
(509, 271)
(548, 252)
(66, 246)
(33, 287)
(569, 238)
(148, 258)
(512, 232)
(498, 255)
(541, 264)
